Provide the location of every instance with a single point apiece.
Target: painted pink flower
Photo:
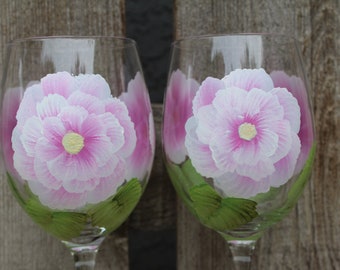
(10, 106)
(178, 109)
(72, 140)
(297, 87)
(243, 133)
(137, 101)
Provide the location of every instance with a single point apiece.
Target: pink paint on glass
(297, 87)
(136, 99)
(179, 96)
(72, 140)
(243, 133)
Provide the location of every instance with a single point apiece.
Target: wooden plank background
(307, 239)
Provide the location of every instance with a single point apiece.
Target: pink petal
(257, 172)
(111, 167)
(77, 186)
(267, 142)
(10, 106)
(141, 159)
(23, 163)
(206, 123)
(31, 132)
(58, 199)
(50, 146)
(138, 103)
(206, 93)
(259, 101)
(119, 110)
(177, 110)
(93, 84)
(284, 168)
(136, 98)
(230, 100)
(248, 79)
(90, 103)
(27, 108)
(61, 83)
(290, 107)
(283, 130)
(44, 176)
(73, 117)
(50, 105)
(107, 185)
(115, 132)
(234, 185)
(200, 154)
(296, 86)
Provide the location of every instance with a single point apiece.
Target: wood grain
(23, 244)
(307, 238)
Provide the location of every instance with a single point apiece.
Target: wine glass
(77, 135)
(238, 133)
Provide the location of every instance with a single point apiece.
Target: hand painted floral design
(243, 133)
(178, 109)
(137, 101)
(10, 106)
(72, 140)
(296, 86)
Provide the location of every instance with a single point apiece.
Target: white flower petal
(248, 79)
(234, 185)
(50, 105)
(290, 106)
(31, 132)
(284, 168)
(199, 153)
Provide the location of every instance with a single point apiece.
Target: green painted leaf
(177, 178)
(192, 176)
(63, 225)
(221, 213)
(111, 213)
(202, 200)
(15, 190)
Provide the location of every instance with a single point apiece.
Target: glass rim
(125, 41)
(190, 38)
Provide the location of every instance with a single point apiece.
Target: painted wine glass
(77, 135)
(238, 133)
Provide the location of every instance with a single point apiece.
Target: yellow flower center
(247, 131)
(73, 143)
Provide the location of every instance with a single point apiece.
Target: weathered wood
(23, 244)
(307, 238)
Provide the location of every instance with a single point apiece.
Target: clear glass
(238, 133)
(77, 135)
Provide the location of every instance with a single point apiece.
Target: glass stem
(84, 257)
(242, 251)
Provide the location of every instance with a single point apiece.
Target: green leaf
(214, 211)
(63, 225)
(111, 213)
(221, 213)
(15, 190)
(177, 178)
(304, 176)
(192, 176)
